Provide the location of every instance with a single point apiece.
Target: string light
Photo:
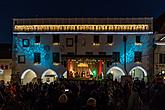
(58, 28)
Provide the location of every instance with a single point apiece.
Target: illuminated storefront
(82, 48)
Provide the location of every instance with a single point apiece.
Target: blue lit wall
(131, 48)
(46, 56)
(29, 51)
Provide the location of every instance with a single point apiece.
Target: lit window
(56, 39)
(138, 41)
(25, 42)
(96, 40)
(56, 58)
(110, 39)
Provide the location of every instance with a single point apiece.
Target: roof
(48, 21)
(159, 24)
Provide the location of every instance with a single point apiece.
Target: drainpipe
(125, 51)
(153, 52)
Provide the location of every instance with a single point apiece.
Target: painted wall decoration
(34, 48)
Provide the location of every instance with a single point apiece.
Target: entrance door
(49, 76)
(28, 76)
(116, 73)
(138, 73)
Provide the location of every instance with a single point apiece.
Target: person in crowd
(90, 104)
(134, 101)
(82, 95)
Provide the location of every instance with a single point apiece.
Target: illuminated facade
(5, 62)
(5, 69)
(88, 48)
(159, 54)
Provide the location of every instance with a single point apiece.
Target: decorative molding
(83, 28)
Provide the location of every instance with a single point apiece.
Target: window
(102, 53)
(138, 42)
(89, 53)
(109, 39)
(21, 59)
(162, 58)
(56, 57)
(96, 39)
(69, 42)
(56, 39)
(138, 57)
(37, 58)
(37, 39)
(25, 42)
(116, 56)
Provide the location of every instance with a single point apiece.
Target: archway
(116, 73)
(28, 76)
(138, 73)
(49, 76)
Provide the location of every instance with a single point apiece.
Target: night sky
(74, 8)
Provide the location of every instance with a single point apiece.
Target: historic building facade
(82, 48)
(5, 62)
(159, 54)
(5, 69)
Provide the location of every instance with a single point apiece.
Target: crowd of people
(83, 95)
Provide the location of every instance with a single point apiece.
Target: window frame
(136, 53)
(56, 38)
(54, 58)
(23, 44)
(37, 37)
(19, 59)
(35, 61)
(161, 56)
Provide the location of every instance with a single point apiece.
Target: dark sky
(74, 8)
